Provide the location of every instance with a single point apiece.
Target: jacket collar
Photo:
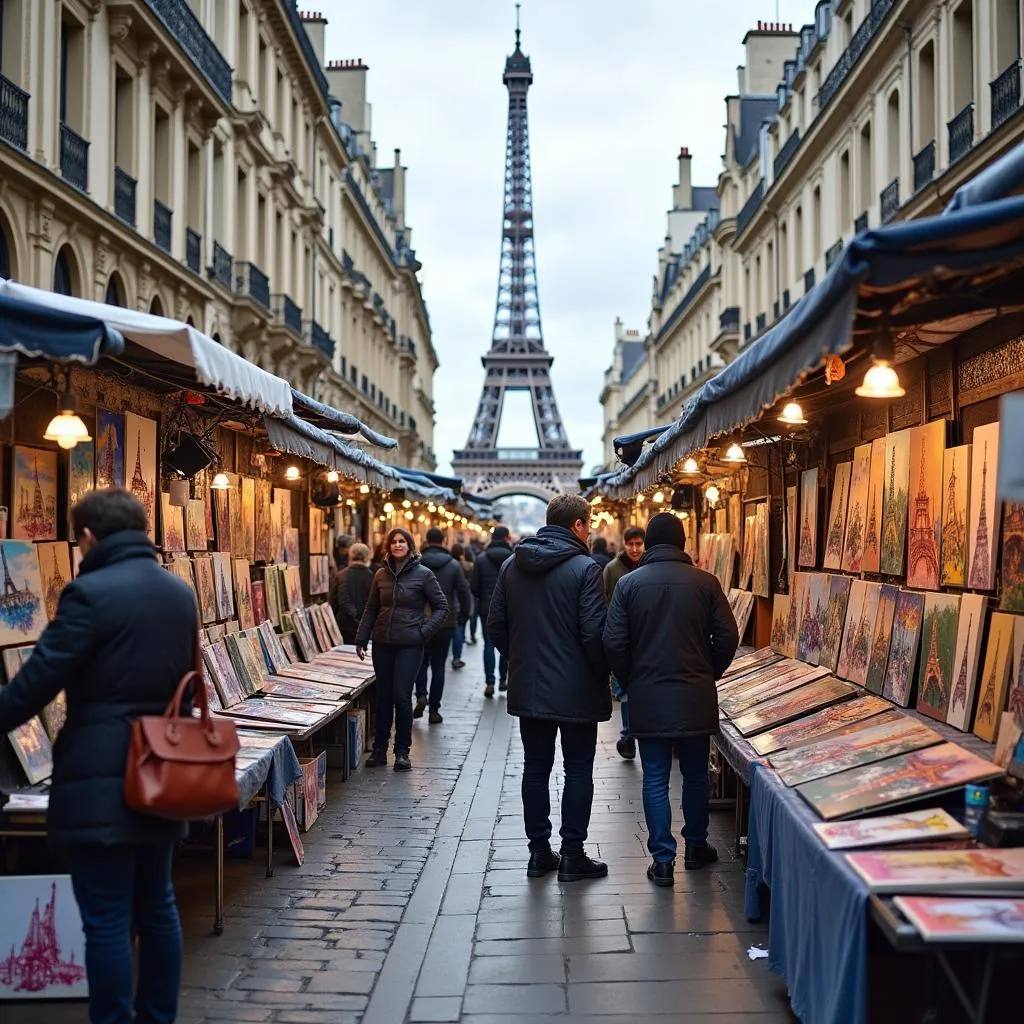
(410, 561)
(627, 563)
(666, 553)
(116, 548)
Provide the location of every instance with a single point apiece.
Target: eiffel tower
(980, 569)
(954, 535)
(806, 542)
(987, 704)
(932, 683)
(960, 690)
(891, 531)
(923, 558)
(871, 537)
(518, 360)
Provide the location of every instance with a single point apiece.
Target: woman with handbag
(123, 638)
(396, 618)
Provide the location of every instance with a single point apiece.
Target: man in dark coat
(452, 578)
(485, 578)
(546, 615)
(599, 552)
(350, 590)
(124, 635)
(670, 635)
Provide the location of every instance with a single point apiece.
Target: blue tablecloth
(276, 766)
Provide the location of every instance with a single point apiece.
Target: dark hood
(116, 548)
(665, 553)
(435, 557)
(398, 569)
(497, 552)
(552, 546)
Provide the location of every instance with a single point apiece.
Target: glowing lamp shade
(332, 476)
(388, 507)
(220, 483)
(291, 473)
(712, 494)
(659, 497)
(734, 453)
(67, 427)
(793, 414)
(690, 466)
(364, 488)
(409, 515)
(881, 381)
(407, 503)
(640, 499)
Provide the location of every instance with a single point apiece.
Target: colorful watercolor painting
(140, 464)
(319, 574)
(54, 573)
(1012, 597)
(924, 520)
(206, 588)
(172, 520)
(864, 636)
(740, 684)
(248, 518)
(263, 547)
(222, 583)
(896, 780)
(872, 557)
(34, 750)
(936, 666)
(851, 627)
(956, 482)
(894, 501)
(792, 531)
(964, 919)
(1015, 701)
(243, 593)
(835, 617)
(34, 494)
(109, 449)
(808, 518)
(780, 613)
(984, 521)
(906, 632)
(857, 510)
(746, 662)
(735, 704)
(812, 619)
(22, 609)
(837, 720)
(800, 585)
(222, 672)
(195, 525)
(792, 705)
(762, 562)
(995, 676)
(291, 546)
(907, 871)
(966, 655)
(879, 657)
(181, 566)
(889, 829)
(837, 516)
(81, 472)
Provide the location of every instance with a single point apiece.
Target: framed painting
(894, 501)
(235, 506)
(263, 548)
(243, 593)
(872, 557)
(860, 653)
(835, 616)
(812, 618)
(223, 585)
(837, 516)
(808, 548)
(206, 588)
(22, 610)
(956, 480)
(792, 539)
(140, 453)
(222, 519)
(54, 573)
(983, 526)
(906, 631)
(1012, 597)
(201, 492)
(81, 472)
(43, 929)
(794, 704)
(319, 574)
(762, 554)
(852, 627)
(995, 676)
(879, 656)
(195, 525)
(962, 919)
(109, 449)
(248, 518)
(34, 494)
(837, 720)
(857, 510)
(938, 646)
(890, 829)
(172, 521)
(259, 601)
(924, 517)
(793, 616)
(966, 655)
(780, 613)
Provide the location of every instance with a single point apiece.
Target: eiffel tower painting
(956, 473)
(837, 516)
(853, 547)
(517, 360)
(871, 560)
(995, 676)
(808, 517)
(928, 443)
(938, 644)
(981, 573)
(1012, 596)
(880, 645)
(894, 501)
(965, 660)
(140, 454)
(958, 698)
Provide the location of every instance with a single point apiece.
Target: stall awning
(1004, 177)
(332, 419)
(213, 365)
(887, 279)
(41, 332)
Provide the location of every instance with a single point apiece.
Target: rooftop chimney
(768, 47)
(315, 24)
(682, 194)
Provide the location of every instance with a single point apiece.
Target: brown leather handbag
(182, 768)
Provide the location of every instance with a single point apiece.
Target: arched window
(190, 321)
(156, 307)
(115, 291)
(216, 338)
(63, 280)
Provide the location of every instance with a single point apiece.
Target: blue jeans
(435, 659)
(458, 641)
(489, 656)
(396, 669)
(114, 887)
(656, 757)
(623, 698)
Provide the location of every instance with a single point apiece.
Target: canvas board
(922, 871)
(780, 613)
(223, 584)
(871, 560)
(81, 472)
(889, 829)
(792, 705)
(744, 663)
(966, 656)
(857, 510)
(956, 482)
(836, 529)
(761, 585)
(33, 494)
(879, 657)
(54, 573)
(34, 750)
(261, 515)
(172, 521)
(964, 919)
(206, 587)
(738, 703)
(924, 514)
(813, 617)
(995, 676)
(906, 632)
(110, 449)
(984, 521)
(243, 593)
(792, 531)
(248, 518)
(22, 609)
(938, 646)
(1011, 597)
(853, 627)
(860, 652)
(839, 719)
(808, 546)
(196, 525)
(835, 616)
(755, 677)
(140, 464)
(896, 486)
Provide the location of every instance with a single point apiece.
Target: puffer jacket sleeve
(370, 612)
(592, 613)
(462, 594)
(616, 636)
(433, 595)
(725, 636)
(497, 616)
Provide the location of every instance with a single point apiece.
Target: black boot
(699, 856)
(376, 759)
(577, 866)
(661, 873)
(626, 748)
(542, 862)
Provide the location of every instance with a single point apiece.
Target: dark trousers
(435, 657)
(656, 757)
(116, 886)
(579, 743)
(492, 654)
(396, 669)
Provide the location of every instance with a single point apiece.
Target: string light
(712, 493)
(388, 507)
(364, 488)
(407, 503)
(640, 499)
(659, 497)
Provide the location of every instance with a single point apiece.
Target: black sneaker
(458, 663)
(435, 718)
(402, 763)
(503, 686)
(661, 873)
(698, 857)
(421, 706)
(376, 759)
(489, 690)
(542, 862)
(626, 748)
(575, 867)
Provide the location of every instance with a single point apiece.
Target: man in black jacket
(350, 590)
(599, 552)
(670, 635)
(452, 578)
(546, 615)
(485, 577)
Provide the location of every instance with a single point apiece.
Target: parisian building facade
(201, 159)
(875, 111)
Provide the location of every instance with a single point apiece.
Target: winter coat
(453, 582)
(124, 634)
(395, 612)
(349, 595)
(614, 571)
(485, 573)
(546, 617)
(603, 558)
(670, 634)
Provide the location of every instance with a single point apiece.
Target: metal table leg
(270, 837)
(976, 1011)
(218, 898)
(346, 753)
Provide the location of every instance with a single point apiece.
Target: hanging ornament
(835, 369)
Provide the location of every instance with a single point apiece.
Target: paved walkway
(413, 905)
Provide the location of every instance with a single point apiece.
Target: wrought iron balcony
(252, 283)
(729, 319)
(286, 312)
(124, 196)
(319, 339)
(809, 278)
(193, 39)
(789, 148)
(194, 250)
(862, 38)
(833, 254)
(220, 269)
(162, 217)
(861, 223)
(746, 215)
(1005, 92)
(889, 200)
(13, 114)
(406, 347)
(924, 166)
(74, 158)
(961, 133)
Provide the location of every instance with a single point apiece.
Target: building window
(1007, 33)
(963, 55)
(816, 241)
(867, 174)
(845, 209)
(63, 276)
(5, 255)
(926, 90)
(798, 240)
(892, 140)
(71, 101)
(163, 153)
(156, 307)
(115, 291)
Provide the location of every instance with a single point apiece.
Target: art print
(319, 574)
(780, 613)
(248, 518)
(857, 510)
(272, 595)
(276, 525)
(243, 593)
(206, 587)
(894, 501)
(110, 449)
(34, 750)
(195, 525)
(837, 516)
(839, 719)
(984, 525)
(172, 520)
(762, 570)
(872, 557)
(966, 655)
(259, 601)
(14, 658)
(924, 870)
(906, 632)
(835, 616)
(879, 657)
(812, 618)
(965, 919)
(140, 464)
(222, 672)
(201, 491)
(956, 480)
(808, 518)
(262, 543)
(22, 609)
(222, 582)
(927, 445)
(792, 531)
(852, 627)
(291, 546)
(995, 676)
(938, 647)
(1015, 703)
(890, 829)
(756, 677)
(747, 556)
(81, 472)
(54, 573)
(293, 582)
(222, 519)
(864, 634)
(34, 494)
(317, 542)
(1012, 597)
(737, 703)
(793, 617)
(792, 705)
(236, 509)
(747, 662)
(743, 609)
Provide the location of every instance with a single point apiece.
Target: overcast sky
(618, 88)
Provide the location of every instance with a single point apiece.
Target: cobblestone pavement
(413, 905)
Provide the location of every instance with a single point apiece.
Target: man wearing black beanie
(670, 634)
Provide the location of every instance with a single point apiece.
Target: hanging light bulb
(407, 503)
(793, 414)
(67, 427)
(332, 476)
(409, 515)
(734, 453)
(690, 466)
(640, 498)
(881, 381)
(659, 497)
(220, 483)
(712, 493)
(291, 473)
(364, 488)
(388, 507)
(596, 500)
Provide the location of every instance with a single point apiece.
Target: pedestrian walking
(485, 577)
(459, 637)
(396, 620)
(350, 590)
(435, 656)
(670, 635)
(599, 551)
(633, 551)
(342, 550)
(546, 615)
(124, 635)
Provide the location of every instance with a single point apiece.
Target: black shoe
(699, 856)
(660, 873)
(577, 866)
(471, 641)
(489, 690)
(542, 862)
(376, 759)
(626, 748)
(503, 686)
(435, 718)
(402, 763)
(421, 706)
(458, 663)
